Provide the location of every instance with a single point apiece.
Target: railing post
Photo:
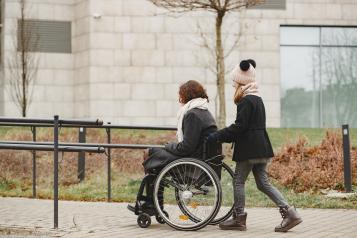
(33, 130)
(81, 155)
(109, 165)
(346, 158)
(55, 170)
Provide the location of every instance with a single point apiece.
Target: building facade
(123, 60)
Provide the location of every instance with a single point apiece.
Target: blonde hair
(238, 93)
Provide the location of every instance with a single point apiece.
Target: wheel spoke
(173, 184)
(182, 207)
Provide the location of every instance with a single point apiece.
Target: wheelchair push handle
(204, 148)
(205, 155)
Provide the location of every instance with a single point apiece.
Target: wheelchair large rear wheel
(187, 194)
(226, 208)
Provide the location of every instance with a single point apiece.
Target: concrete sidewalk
(101, 219)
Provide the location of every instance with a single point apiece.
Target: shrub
(304, 168)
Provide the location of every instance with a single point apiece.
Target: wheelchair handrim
(217, 196)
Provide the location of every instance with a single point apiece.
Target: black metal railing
(15, 122)
(50, 122)
(56, 146)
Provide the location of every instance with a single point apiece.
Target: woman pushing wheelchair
(252, 150)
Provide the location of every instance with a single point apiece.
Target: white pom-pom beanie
(243, 73)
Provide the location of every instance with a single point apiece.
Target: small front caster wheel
(144, 220)
(159, 219)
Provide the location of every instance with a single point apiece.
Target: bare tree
(220, 8)
(230, 42)
(23, 64)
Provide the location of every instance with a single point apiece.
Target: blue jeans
(242, 171)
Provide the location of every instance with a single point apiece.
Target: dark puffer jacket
(248, 132)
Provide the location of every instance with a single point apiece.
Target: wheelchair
(188, 194)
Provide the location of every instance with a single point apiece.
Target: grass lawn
(280, 136)
(125, 185)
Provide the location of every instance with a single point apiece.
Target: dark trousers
(242, 171)
(158, 158)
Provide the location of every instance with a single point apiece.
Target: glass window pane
(299, 87)
(339, 36)
(299, 35)
(339, 85)
(319, 84)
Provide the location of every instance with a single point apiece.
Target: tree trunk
(220, 72)
(23, 60)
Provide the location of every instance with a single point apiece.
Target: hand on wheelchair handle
(212, 137)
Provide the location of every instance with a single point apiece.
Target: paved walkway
(33, 218)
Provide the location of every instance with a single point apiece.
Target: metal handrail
(50, 147)
(111, 126)
(97, 122)
(56, 146)
(113, 146)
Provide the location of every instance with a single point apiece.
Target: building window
(318, 76)
(272, 5)
(45, 36)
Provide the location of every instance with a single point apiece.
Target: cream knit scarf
(250, 89)
(200, 103)
(244, 90)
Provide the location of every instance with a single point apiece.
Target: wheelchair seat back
(212, 155)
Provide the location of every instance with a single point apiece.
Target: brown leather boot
(290, 219)
(238, 222)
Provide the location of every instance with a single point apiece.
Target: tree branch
(223, 6)
(185, 5)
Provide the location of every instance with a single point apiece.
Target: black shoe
(291, 218)
(131, 208)
(148, 207)
(238, 222)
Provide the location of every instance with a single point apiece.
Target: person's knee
(263, 185)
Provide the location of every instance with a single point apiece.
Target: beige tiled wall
(127, 65)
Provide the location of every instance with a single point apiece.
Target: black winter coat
(248, 132)
(197, 125)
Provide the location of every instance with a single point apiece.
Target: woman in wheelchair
(194, 124)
